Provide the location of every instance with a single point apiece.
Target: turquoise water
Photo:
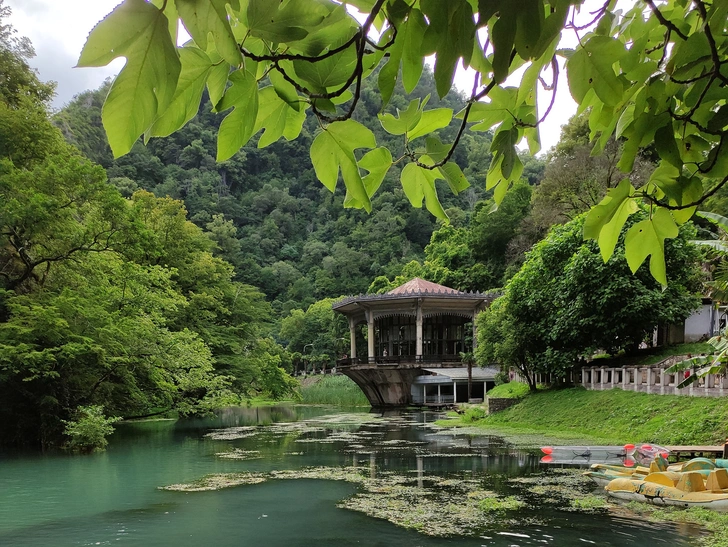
(112, 497)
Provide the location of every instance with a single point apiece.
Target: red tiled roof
(418, 285)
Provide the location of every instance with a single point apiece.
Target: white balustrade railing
(650, 379)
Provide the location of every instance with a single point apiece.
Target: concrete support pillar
(454, 392)
(439, 395)
(424, 393)
(418, 322)
(352, 339)
(370, 336)
(625, 376)
(663, 381)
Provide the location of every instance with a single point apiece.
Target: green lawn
(613, 416)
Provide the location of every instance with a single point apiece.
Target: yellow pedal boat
(686, 489)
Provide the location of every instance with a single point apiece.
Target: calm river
(409, 472)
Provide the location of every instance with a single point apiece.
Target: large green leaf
(287, 24)
(217, 79)
(530, 21)
(333, 150)
(412, 60)
(418, 183)
(504, 150)
(611, 207)
(454, 177)
(450, 34)
(718, 220)
(405, 121)
(285, 90)
(330, 72)
(388, 74)
(503, 35)
(204, 17)
(146, 85)
(186, 101)
(647, 238)
(591, 67)
(666, 145)
(277, 118)
(609, 234)
(238, 126)
(377, 162)
(430, 121)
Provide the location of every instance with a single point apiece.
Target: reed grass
(333, 390)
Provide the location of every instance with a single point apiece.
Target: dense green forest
(266, 211)
(166, 281)
(109, 300)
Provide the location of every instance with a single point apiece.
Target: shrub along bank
(612, 416)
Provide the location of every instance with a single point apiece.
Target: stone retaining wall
(496, 404)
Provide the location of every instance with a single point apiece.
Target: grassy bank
(613, 416)
(332, 390)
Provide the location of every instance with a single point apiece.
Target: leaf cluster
(650, 73)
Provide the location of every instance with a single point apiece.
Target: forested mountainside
(270, 217)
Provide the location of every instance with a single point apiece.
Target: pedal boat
(686, 489)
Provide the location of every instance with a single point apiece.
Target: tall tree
(565, 302)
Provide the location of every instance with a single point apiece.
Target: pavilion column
(418, 322)
(352, 337)
(370, 336)
(475, 330)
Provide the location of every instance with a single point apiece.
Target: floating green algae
(216, 482)
(433, 505)
(240, 454)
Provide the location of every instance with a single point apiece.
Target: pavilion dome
(420, 286)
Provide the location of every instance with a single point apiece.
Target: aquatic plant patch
(216, 482)
(434, 506)
(240, 454)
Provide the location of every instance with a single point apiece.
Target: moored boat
(682, 489)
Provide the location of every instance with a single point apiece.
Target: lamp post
(304, 357)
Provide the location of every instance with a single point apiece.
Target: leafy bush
(90, 429)
(502, 378)
(511, 390)
(474, 414)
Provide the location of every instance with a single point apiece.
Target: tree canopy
(565, 303)
(652, 73)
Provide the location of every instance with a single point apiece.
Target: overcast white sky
(58, 30)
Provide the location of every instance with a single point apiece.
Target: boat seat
(698, 464)
(717, 480)
(658, 464)
(665, 478)
(692, 481)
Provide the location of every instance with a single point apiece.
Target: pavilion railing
(424, 360)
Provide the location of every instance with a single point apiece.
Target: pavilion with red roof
(416, 325)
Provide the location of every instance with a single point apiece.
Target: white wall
(698, 325)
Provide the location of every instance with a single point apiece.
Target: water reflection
(114, 497)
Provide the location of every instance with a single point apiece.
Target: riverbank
(606, 417)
